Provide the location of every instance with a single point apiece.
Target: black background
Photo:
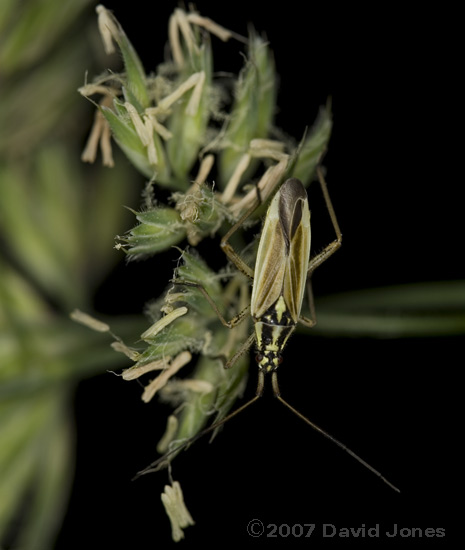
(388, 72)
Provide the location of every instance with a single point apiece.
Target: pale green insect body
(280, 272)
(281, 276)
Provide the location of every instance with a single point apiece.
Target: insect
(281, 276)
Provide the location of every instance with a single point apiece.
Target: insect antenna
(277, 394)
(162, 461)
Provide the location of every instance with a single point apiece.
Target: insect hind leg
(277, 394)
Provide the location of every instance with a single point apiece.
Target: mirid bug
(281, 276)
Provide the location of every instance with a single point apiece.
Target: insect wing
(283, 252)
(295, 277)
(270, 265)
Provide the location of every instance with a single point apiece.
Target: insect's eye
(259, 357)
(280, 359)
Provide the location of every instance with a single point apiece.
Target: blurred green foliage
(58, 219)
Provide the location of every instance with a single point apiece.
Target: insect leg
(331, 248)
(227, 364)
(309, 322)
(229, 250)
(245, 346)
(277, 394)
(163, 462)
(236, 320)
